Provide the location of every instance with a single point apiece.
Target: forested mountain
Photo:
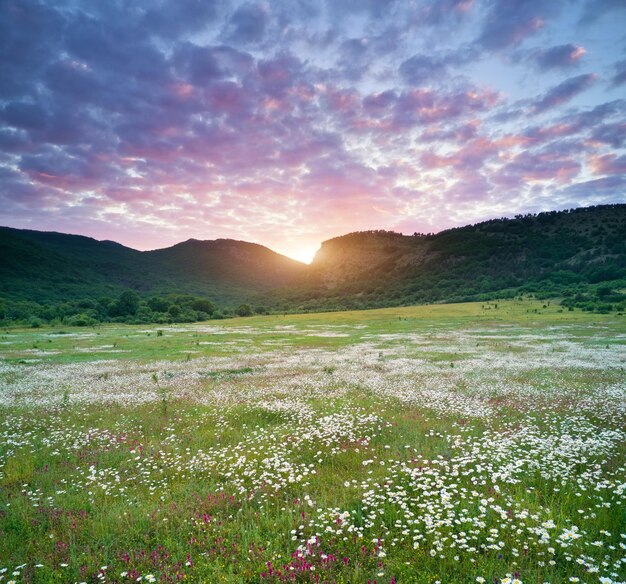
(579, 255)
(554, 253)
(52, 267)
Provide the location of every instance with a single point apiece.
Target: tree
(244, 310)
(203, 305)
(127, 303)
(158, 304)
(174, 311)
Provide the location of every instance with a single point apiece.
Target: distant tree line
(129, 307)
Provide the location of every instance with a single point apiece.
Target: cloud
(24, 115)
(426, 106)
(564, 92)
(594, 10)
(612, 134)
(619, 78)
(279, 74)
(29, 34)
(425, 68)
(608, 164)
(374, 9)
(171, 19)
(438, 12)
(543, 166)
(248, 24)
(422, 69)
(245, 118)
(199, 65)
(470, 157)
(508, 24)
(605, 190)
(462, 133)
(558, 57)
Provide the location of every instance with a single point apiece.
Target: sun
(304, 254)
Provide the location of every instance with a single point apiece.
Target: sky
(289, 122)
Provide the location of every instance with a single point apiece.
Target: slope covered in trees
(577, 255)
(51, 267)
(567, 253)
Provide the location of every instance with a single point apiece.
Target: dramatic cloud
(290, 122)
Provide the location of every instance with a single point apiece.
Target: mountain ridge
(41, 265)
(556, 251)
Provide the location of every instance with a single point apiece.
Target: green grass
(214, 452)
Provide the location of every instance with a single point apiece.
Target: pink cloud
(608, 164)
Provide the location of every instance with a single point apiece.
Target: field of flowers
(451, 444)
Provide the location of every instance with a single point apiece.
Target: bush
(81, 319)
(35, 322)
(244, 310)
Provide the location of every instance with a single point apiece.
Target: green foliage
(49, 268)
(550, 255)
(55, 277)
(603, 300)
(129, 307)
(81, 319)
(202, 305)
(244, 310)
(127, 303)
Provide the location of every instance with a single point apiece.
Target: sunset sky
(285, 123)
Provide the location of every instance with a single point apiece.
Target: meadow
(432, 444)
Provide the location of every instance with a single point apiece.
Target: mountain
(51, 267)
(554, 253)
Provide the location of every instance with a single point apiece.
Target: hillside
(551, 253)
(52, 267)
(569, 254)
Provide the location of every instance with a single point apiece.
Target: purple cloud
(27, 116)
(606, 190)
(537, 167)
(564, 92)
(619, 78)
(248, 24)
(558, 57)
(612, 134)
(236, 118)
(596, 9)
(421, 69)
(608, 164)
(508, 24)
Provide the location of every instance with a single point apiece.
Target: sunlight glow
(303, 254)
